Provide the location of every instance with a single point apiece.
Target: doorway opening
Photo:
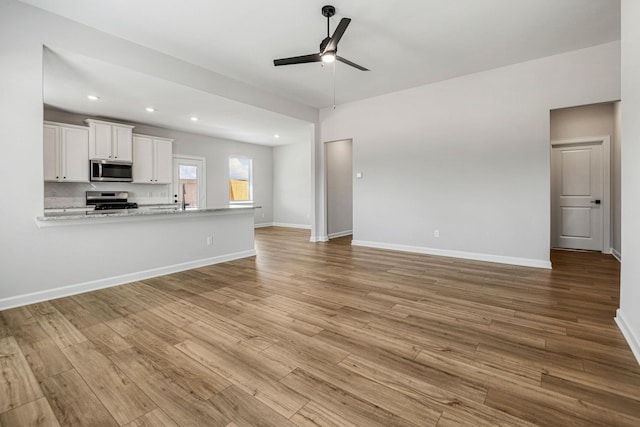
(585, 178)
(339, 163)
(190, 181)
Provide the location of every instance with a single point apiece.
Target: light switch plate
(359, 175)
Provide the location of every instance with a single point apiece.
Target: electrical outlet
(209, 240)
(262, 215)
(436, 233)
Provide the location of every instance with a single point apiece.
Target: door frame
(605, 141)
(202, 184)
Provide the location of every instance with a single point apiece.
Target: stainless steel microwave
(109, 170)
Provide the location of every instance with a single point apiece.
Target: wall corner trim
(64, 291)
(632, 339)
(319, 239)
(523, 262)
(616, 254)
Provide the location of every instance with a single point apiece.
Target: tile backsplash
(72, 194)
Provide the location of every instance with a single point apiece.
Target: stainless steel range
(109, 202)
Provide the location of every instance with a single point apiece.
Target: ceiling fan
(328, 47)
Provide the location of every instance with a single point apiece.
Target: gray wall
(216, 152)
(339, 188)
(628, 317)
(595, 120)
(292, 185)
(467, 156)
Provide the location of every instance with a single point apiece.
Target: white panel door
(577, 196)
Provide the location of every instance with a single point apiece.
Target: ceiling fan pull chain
(334, 85)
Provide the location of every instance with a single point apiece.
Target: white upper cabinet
(66, 153)
(110, 141)
(152, 160)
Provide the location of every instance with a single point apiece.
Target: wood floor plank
(33, 414)
(247, 411)
(315, 415)
(105, 339)
(154, 418)
(175, 365)
(73, 402)
(123, 398)
(57, 327)
(250, 378)
(18, 385)
(44, 357)
(344, 404)
(183, 407)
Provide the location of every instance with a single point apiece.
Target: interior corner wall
(628, 316)
(468, 156)
(292, 185)
(595, 120)
(616, 180)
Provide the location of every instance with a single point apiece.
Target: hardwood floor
(328, 335)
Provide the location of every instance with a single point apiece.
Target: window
(240, 175)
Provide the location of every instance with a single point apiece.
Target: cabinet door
(100, 141)
(75, 154)
(51, 153)
(142, 160)
(122, 144)
(163, 161)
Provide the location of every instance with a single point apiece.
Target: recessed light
(194, 119)
(276, 136)
(150, 109)
(93, 97)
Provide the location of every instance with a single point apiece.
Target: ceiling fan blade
(353, 64)
(332, 46)
(314, 57)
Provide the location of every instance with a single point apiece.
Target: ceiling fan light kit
(328, 47)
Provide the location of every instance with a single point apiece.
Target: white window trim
(241, 202)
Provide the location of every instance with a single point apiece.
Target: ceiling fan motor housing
(328, 11)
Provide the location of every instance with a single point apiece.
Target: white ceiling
(405, 43)
(124, 94)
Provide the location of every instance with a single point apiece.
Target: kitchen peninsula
(78, 216)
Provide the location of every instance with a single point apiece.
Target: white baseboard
(616, 254)
(34, 297)
(317, 239)
(282, 224)
(525, 262)
(264, 224)
(340, 234)
(629, 335)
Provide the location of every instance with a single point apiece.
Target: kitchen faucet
(184, 193)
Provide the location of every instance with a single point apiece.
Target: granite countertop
(79, 213)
